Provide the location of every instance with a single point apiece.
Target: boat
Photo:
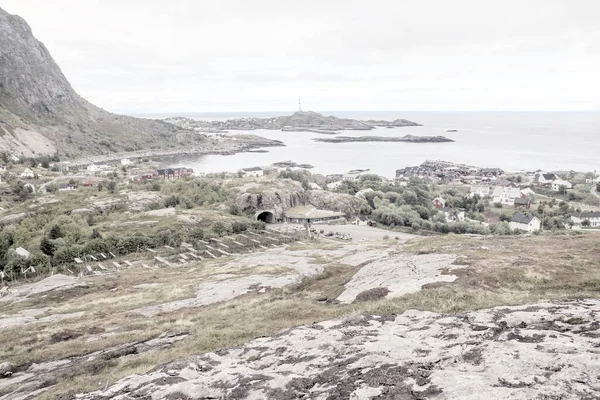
(451, 130)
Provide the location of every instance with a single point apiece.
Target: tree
(47, 246)
(586, 223)
(95, 234)
(55, 232)
(562, 189)
(111, 186)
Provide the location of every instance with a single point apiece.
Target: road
(358, 232)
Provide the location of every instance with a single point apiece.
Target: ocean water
(514, 141)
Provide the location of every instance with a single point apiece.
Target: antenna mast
(299, 104)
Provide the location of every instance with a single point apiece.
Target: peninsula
(405, 138)
(299, 121)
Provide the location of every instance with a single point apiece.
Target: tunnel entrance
(266, 216)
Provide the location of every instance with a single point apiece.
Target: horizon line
(348, 111)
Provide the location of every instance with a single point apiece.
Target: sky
(137, 56)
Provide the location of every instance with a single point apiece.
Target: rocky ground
(405, 318)
(541, 351)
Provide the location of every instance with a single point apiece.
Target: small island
(406, 138)
(300, 121)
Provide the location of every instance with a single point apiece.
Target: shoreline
(225, 148)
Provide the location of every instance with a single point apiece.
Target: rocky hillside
(41, 113)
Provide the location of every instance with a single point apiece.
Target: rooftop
(522, 218)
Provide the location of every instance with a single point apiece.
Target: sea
(513, 141)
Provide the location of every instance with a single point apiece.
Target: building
(95, 167)
(334, 185)
(491, 172)
(412, 172)
(67, 186)
(557, 184)
(593, 217)
(27, 173)
(453, 214)
(525, 222)
(173, 173)
(522, 202)
(310, 214)
(479, 190)
(253, 171)
(527, 192)
(505, 195)
(439, 203)
(546, 179)
(126, 161)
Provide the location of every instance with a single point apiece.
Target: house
(14, 158)
(126, 161)
(67, 186)
(491, 172)
(22, 252)
(173, 173)
(546, 179)
(505, 195)
(592, 216)
(2, 167)
(525, 222)
(314, 186)
(95, 167)
(557, 184)
(361, 220)
(310, 214)
(453, 214)
(27, 173)
(522, 202)
(439, 203)
(88, 183)
(480, 190)
(253, 171)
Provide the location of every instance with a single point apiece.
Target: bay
(514, 141)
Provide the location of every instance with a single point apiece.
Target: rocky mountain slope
(298, 121)
(40, 113)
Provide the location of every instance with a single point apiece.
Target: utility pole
(299, 104)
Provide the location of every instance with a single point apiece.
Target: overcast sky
(260, 55)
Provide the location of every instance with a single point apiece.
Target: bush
(372, 294)
(498, 205)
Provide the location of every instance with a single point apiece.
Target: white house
(558, 183)
(352, 176)
(505, 195)
(27, 173)
(253, 171)
(525, 222)
(126, 161)
(313, 186)
(592, 216)
(94, 167)
(480, 190)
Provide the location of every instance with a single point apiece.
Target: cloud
(185, 55)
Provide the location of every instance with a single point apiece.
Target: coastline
(222, 147)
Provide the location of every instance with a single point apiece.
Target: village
(527, 193)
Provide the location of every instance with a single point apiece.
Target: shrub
(372, 294)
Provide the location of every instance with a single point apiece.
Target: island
(300, 121)
(406, 138)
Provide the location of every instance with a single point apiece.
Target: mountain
(40, 113)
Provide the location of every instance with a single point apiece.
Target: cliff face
(41, 113)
